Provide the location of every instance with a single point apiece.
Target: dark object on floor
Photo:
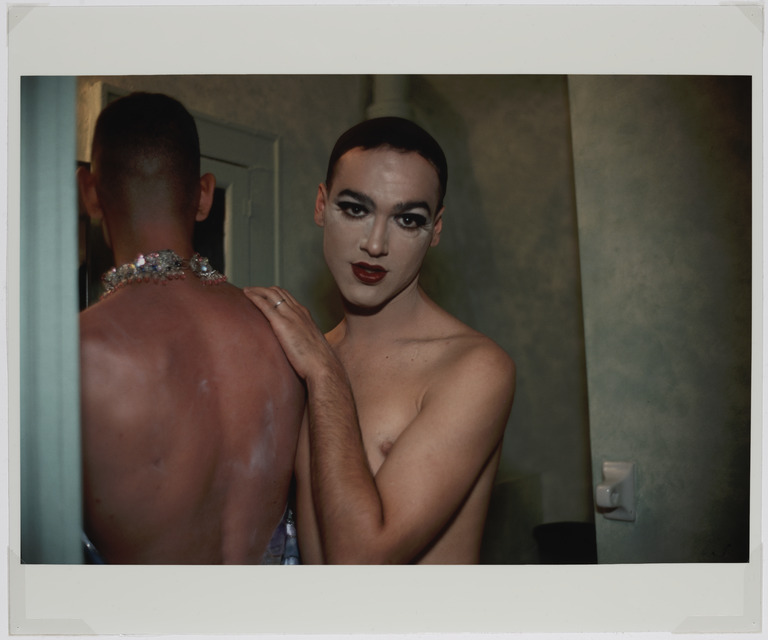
(566, 543)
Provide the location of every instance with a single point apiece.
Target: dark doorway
(209, 233)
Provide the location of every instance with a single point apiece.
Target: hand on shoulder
(304, 344)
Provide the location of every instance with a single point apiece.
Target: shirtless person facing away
(407, 406)
(190, 409)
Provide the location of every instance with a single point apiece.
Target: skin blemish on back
(253, 462)
(257, 460)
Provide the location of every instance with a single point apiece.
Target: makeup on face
(407, 215)
(379, 220)
(368, 273)
(408, 218)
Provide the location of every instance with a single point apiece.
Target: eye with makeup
(411, 220)
(352, 209)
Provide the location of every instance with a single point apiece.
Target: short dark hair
(397, 133)
(143, 127)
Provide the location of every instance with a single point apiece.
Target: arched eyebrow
(399, 208)
(414, 204)
(360, 197)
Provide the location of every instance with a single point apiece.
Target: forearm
(347, 503)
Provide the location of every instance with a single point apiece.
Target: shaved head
(146, 146)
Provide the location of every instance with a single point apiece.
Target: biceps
(432, 469)
(448, 443)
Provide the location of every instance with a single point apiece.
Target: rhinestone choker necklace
(160, 266)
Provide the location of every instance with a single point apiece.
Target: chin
(362, 304)
(368, 303)
(360, 309)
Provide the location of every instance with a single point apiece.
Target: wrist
(327, 373)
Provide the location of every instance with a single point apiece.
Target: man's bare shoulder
(473, 362)
(468, 371)
(163, 346)
(464, 349)
(151, 309)
(152, 327)
(107, 332)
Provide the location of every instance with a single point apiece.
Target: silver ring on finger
(278, 303)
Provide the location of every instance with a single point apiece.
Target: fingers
(270, 298)
(278, 295)
(259, 297)
(264, 299)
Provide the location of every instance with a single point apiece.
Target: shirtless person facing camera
(407, 406)
(190, 410)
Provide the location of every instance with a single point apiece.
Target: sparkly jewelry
(203, 270)
(160, 266)
(278, 303)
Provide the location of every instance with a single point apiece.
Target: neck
(151, 228)
(388, 322)
(127, 248)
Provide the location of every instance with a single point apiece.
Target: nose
(375, 241)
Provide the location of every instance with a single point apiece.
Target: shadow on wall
(513, 534)
(514, 511)
(325, 301)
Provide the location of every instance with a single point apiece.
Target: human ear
(438, 227)
(86, 184)
(207, 189)
(320, 202)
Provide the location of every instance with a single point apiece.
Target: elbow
(358, 549)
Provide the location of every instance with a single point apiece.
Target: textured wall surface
(664, 197)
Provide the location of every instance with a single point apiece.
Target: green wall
(664, 199)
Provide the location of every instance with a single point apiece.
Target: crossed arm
(394, 515)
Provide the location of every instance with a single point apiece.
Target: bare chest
(389, 389)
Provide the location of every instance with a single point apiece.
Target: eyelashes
(353, 209)
(409, 221)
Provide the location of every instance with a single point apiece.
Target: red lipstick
(368, 273)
